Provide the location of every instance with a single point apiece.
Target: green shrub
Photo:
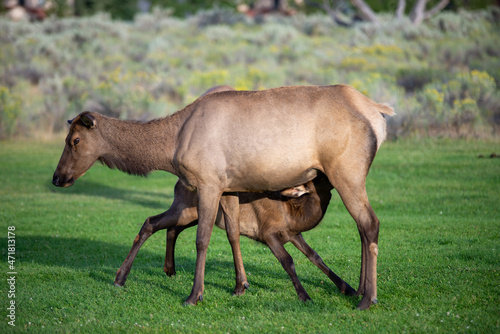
(157, 64)
(10, 111)
(414, 79)
(460, 103)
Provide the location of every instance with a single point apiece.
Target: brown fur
(247, 141)
(267, 217)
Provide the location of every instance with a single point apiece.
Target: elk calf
(269, 217)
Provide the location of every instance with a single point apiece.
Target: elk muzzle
(62, 181)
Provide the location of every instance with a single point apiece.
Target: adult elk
(269, 217)
(235, 141)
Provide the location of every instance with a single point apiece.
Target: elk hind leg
(351, 188)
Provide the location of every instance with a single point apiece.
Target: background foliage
(441, 77)
(126, 9)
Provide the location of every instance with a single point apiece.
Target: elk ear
(296, 191)
(70, 121)
(88, 119)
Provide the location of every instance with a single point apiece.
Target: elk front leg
(299, 242)
(208, 203)
(230, 209)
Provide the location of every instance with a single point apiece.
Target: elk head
(81, 151)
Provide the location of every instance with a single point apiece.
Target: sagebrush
(441, 77)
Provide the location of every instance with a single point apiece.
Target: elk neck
(140, 147)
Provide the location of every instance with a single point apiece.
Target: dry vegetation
(441, 77)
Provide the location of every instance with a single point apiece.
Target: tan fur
(246, 141)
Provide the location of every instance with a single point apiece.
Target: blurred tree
(344, 12)
(118, 9)
(421, 10)
(183, 8)
(365, 11)
(419, 13)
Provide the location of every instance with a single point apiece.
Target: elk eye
(76, 141)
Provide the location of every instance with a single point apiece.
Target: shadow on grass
(102, 259)
(90, 188)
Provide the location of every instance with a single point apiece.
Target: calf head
(81, 151)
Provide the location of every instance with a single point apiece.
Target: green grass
(439, 206)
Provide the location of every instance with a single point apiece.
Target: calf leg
(169, 218)
(299, 242)
(276, 246)
(172, 234)
(230, 209)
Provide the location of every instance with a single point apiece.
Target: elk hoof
(118, 285)
(304, 297)
(240, 289)
(170, 273)
(366, 303)
(350, 292)
(190, 303)
(193, 300)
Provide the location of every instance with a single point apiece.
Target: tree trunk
(400, 11)
(418, 13)
(334, 14)
(365, 11)
(439, 7)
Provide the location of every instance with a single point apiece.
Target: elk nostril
(55, 180)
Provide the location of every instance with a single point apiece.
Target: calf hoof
(304, 297)
(348, 290)
(118, 285)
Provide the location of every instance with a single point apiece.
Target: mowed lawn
(439, 265)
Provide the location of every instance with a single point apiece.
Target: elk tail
(385, 109)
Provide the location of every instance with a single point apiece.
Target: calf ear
(296, 191)
(88, 119)
(70, 121)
